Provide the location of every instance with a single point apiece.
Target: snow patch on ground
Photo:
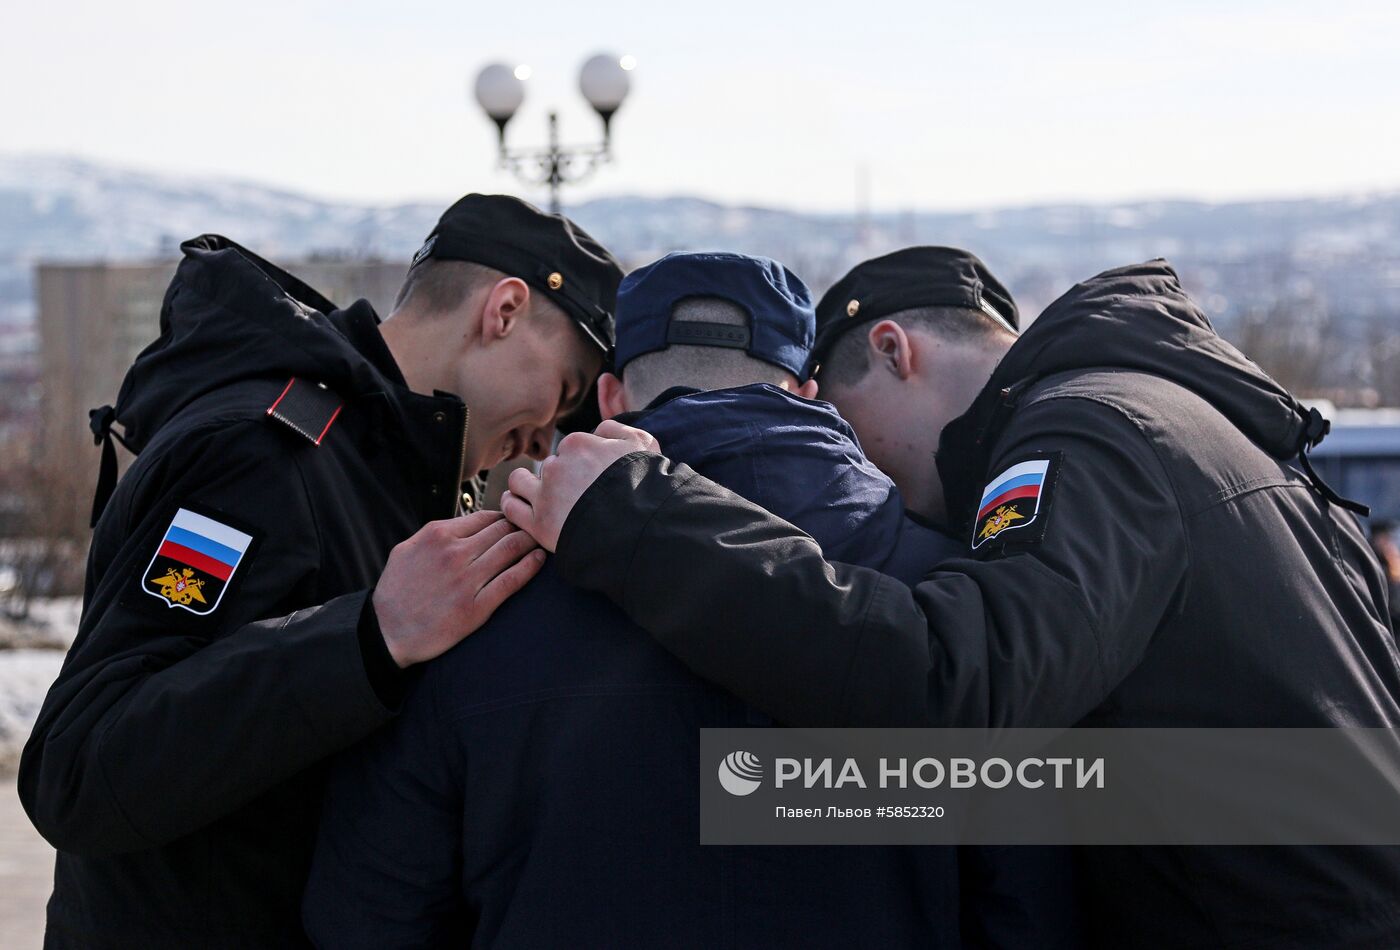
(51, 624)
(25, 676)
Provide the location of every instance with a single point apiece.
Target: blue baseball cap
(782, 323)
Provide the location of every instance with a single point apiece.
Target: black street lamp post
(604, 82)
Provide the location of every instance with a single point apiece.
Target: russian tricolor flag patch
(1013, 500)
(195, 562)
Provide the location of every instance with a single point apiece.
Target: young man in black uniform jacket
(244, 616)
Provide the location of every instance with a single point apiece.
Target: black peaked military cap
(547, 251)
(907, 279)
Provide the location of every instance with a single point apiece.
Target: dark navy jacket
(540, 787)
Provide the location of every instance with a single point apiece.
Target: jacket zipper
(461, 463)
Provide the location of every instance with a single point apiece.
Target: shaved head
(700, 367)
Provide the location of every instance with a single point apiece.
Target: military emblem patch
(1015, 500)
(195, 561)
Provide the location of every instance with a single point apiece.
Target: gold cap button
(555, 280)
(853, 308)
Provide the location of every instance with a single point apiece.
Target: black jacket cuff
(385, 676)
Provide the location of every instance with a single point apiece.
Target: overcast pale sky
(943, 105)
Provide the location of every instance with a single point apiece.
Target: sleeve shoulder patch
(1015, 504)
(307, 408)
(195, 562)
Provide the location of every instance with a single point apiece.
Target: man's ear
(807, 390)
(893, 350)
(612, 396)
(506, 303)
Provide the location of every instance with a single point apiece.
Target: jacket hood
(800, 460)
(1133, 318)
(1139, 318)
(230, 316)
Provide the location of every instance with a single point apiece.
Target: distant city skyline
(924, 106)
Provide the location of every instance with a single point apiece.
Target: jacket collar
(426, 432)
(965, 445)
(359, 324)
(675, 392)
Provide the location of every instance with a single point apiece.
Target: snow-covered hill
(67, 208)
(1345, 251)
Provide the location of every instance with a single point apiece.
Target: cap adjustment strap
(693, 333)
(994, 313)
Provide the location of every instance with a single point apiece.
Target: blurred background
(1253, 144)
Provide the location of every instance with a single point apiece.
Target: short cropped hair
(440, 287)
(849, 359)
(701, 367)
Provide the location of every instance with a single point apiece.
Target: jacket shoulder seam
(1250, 487)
